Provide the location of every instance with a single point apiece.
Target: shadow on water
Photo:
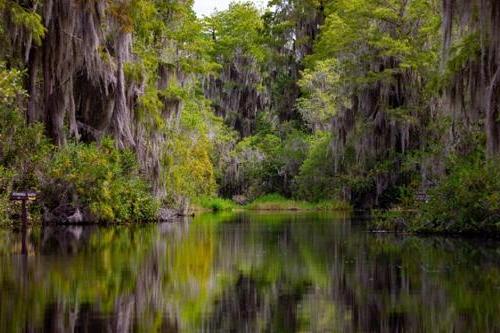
(246, 272)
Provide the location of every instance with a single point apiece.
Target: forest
(134, 110)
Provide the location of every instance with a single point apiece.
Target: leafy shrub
(465, 201)
(316, 179)
(101, 180)
(265, 163)
(24, 149)
(188, 168)
(5, 188)
(249, 166)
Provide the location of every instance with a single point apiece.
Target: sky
(206, 7)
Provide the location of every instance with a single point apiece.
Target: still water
(246, 273)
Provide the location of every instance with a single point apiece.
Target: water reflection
(246, 273)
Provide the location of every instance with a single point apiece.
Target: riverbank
(420, 222)
(269, 202)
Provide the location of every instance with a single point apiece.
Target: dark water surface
(246, 273)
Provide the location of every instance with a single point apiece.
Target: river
(246, 272)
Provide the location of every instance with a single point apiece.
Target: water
(246, 272)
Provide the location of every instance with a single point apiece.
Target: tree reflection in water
(246, 273)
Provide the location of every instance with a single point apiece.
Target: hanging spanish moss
(381, 116)
(355, 101)
(472, 59)
(78, 85)
(290, 46)
(81, 68)
(237, 94)
(367, 135)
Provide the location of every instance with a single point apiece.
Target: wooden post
(24, 230)
(25, 198)
(24, 213)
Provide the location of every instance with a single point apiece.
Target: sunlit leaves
(23, 148)
(324, 93)
(102, 178)
(29, 20)
(236, 31)
(188, 157)
(361, 30)
(10, 86)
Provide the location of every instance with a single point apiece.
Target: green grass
(276, 202)
(213, 204)
(268, 202)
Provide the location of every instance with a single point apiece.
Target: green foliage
(462, 52)
(274, 202)
(97, 178)
(236, 31)
(189, 168)
(329, 127)
(332, 205)
(5, 190)
(101, 178)
(402, 36)
(267, 161)
(155, 22)
(24, 150)
(323, 94)
(172, 48)
(370, 70)
(214, 204)
(393, 220)
(248, 165)
(351, 24)
(316, 179)
(30, 21)
(467, 200)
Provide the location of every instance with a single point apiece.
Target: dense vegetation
(114, 108)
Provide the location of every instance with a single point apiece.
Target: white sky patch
(207, 7)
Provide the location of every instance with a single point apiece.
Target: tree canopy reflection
(246, 272)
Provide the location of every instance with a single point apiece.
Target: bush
(5, 189)
(266, 162)
(252, 165)
(101, 181)
(188, 168)
(316, 180)
(466, 201)
(24, 149)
